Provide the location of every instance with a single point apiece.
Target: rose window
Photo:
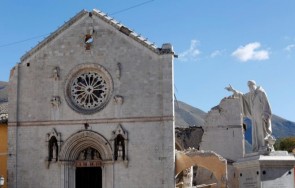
(89, 90)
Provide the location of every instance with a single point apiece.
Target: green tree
(285, 144)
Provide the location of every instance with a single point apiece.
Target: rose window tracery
(89, 89)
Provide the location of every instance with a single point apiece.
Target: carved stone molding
(72, 156)
(118, 99)
(88, 88)
(75, 144)
(120, 143)
(54, 142)
(97, 121)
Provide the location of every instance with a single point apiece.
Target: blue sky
(219, 42)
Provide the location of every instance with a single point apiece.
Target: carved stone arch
(70, 161)
(120, 130)
(82, 140)
(206, 159)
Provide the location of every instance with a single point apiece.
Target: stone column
(188, 177)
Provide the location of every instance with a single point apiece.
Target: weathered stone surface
(223, 130)
(271, 171)
(145, 82)
(205, 159)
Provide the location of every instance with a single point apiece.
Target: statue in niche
(56, 73)
(119, 140)
(120, 150)
(53, 149)
(96, 155)
(55, 101)
(119, 147)
(89, 154)
(255, 106)
(82, 155)
(54, 141)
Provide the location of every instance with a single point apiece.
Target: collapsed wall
(223, 130)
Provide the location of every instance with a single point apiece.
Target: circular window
(88, 88)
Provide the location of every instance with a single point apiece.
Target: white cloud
(216, 53)
(290, 47)
(190, 54)
(250, 52)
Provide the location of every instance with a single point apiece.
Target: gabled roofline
(53, 35)
(166, 48)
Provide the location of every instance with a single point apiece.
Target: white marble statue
(256, 107)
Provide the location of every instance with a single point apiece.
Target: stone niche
(223, 130)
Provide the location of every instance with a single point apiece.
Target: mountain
(187, 115)
(282, 128)
(3, 91)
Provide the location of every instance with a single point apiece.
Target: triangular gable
(54, 35)
(143, 41)
(119, 130)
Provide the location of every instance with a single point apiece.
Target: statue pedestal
(266, 171)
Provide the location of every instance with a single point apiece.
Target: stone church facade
(92, 106)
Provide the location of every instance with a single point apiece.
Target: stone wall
(223, 130)
(141, 100)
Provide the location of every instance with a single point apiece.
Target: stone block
(145, 83)
(266, 171)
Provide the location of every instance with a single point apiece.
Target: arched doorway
(90, 177)
(88, 169)
(87, 160)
